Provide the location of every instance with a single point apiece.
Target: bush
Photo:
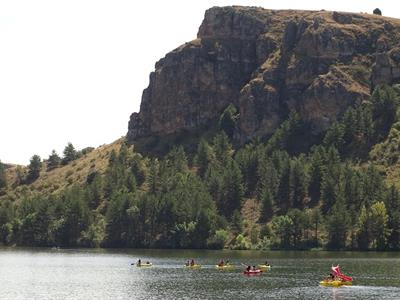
(219, 239)
(241, 243)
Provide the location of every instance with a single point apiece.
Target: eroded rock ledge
(268, 63)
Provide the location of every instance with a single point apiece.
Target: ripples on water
(99, 274)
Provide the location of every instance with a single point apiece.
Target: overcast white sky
(75, 70)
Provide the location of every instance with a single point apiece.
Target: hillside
(270, 130)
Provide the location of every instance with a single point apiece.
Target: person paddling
(139, 262)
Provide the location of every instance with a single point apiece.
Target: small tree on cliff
(227, 121)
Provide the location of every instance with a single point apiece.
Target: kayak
(252, 272)
(144, 265)
(264, 267)
(334, 283)
(225, 267)
(192, 266)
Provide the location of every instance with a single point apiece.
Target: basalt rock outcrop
(269, 63)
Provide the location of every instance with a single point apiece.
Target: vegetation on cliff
(272, 194)
(273, 129)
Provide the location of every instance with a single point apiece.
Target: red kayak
(252, 272)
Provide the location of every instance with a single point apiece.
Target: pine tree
(384, 106)
(298, 183)
(392, 203)
(227, 121)
(316, 219)
(34, 168)
(53, 161)
(316, 170)
(338, 223)
(203, 157)
(153, 178)
(3, 178)
(222, 147)
(363, 225)
(233, 188)
(70, 154)
(267, 204)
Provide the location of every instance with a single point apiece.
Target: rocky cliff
(268, 63)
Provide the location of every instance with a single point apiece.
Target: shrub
(218, 240)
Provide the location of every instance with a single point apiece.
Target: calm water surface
(101, 274)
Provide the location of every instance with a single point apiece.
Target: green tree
(34, 168)
(363, 225)
(219, 239)
(283, 227)
(3, 178)
(267, 204)
(392, 203)
(317, 165)
(329, 186)
(299, 225)
(222, 147)
(204, 157)
(153, 179)
(53, 161)
(70, 154)
(338, 224)
(298, 182)
(227, 121)
(379, 225)
(233, 190)
(316, 219)
(384, 106)
(334, 136)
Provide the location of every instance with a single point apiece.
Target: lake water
(104, 274)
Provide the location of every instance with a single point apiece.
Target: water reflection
(102, 274)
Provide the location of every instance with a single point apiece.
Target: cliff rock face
(268, 63)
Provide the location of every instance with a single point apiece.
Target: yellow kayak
(225, 267)
(144, 265)
(264, 267)
(334, 283)
(196, 266)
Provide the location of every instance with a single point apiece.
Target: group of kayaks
(335, 278)
(220, 266)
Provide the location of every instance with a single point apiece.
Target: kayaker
(248, 268)
(221, 263)
(139, 262)
(187, 263)
(192, 263)
(266, 263)
(254, 268)
(330, 277)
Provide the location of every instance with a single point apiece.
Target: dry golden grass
(63, 176)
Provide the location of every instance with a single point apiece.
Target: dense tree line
(329, 194)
